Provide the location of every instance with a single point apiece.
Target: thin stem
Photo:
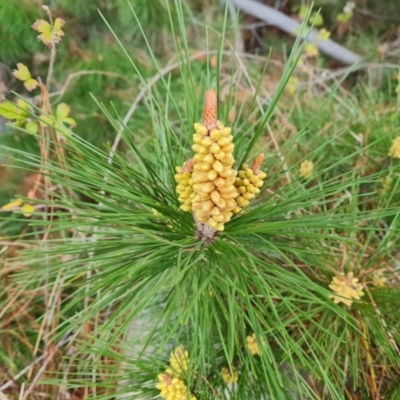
(53, 51)
(140, 96)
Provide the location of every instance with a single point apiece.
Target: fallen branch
(291, 26)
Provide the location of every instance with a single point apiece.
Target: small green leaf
(21, 103)
(303, 11)
(31, 84)
(323, 34)
(344, 17)
(42, 26)
(49, 35)
(62, 111)
(15, 112)
(47, 120)
(69, 121)
(9, 111)
(22, 73)
(32, 127)
(58, 24)
(316, 19)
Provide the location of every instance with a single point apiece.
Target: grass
(108, 277)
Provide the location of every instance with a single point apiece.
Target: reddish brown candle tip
(257, 163)
(210, 110)
(188, 167)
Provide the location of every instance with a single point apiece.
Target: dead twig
(166, 70)
(291, 26)
(74, 75)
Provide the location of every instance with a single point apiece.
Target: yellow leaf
(292, 85)
(69, 121)
(344, 17)
(21, 103)
(9, 111)
(13, 112)
(46, 38)
(316, 19)
(32, 127)
(42, 26)
(323, 34)
(11, 205)
(23, 113)
(49, 35)
(22, 73)
(311, 50)
(46, 120)
(27, 210)
(62, 110)
(31, 84)
(58, 24)
(303, 11)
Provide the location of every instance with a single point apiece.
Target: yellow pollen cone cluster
(252, 345)
(306, 169)
(213, 176)
(379, 280)
(173, 388)
(179, 361)
(394, 150)
(184, 186)
(207, 184)
(347, 288)
(249, 182)
(171, 383)
(230, 375)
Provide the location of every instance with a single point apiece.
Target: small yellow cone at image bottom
(171, 382)
(230, 375)
(347, 288)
